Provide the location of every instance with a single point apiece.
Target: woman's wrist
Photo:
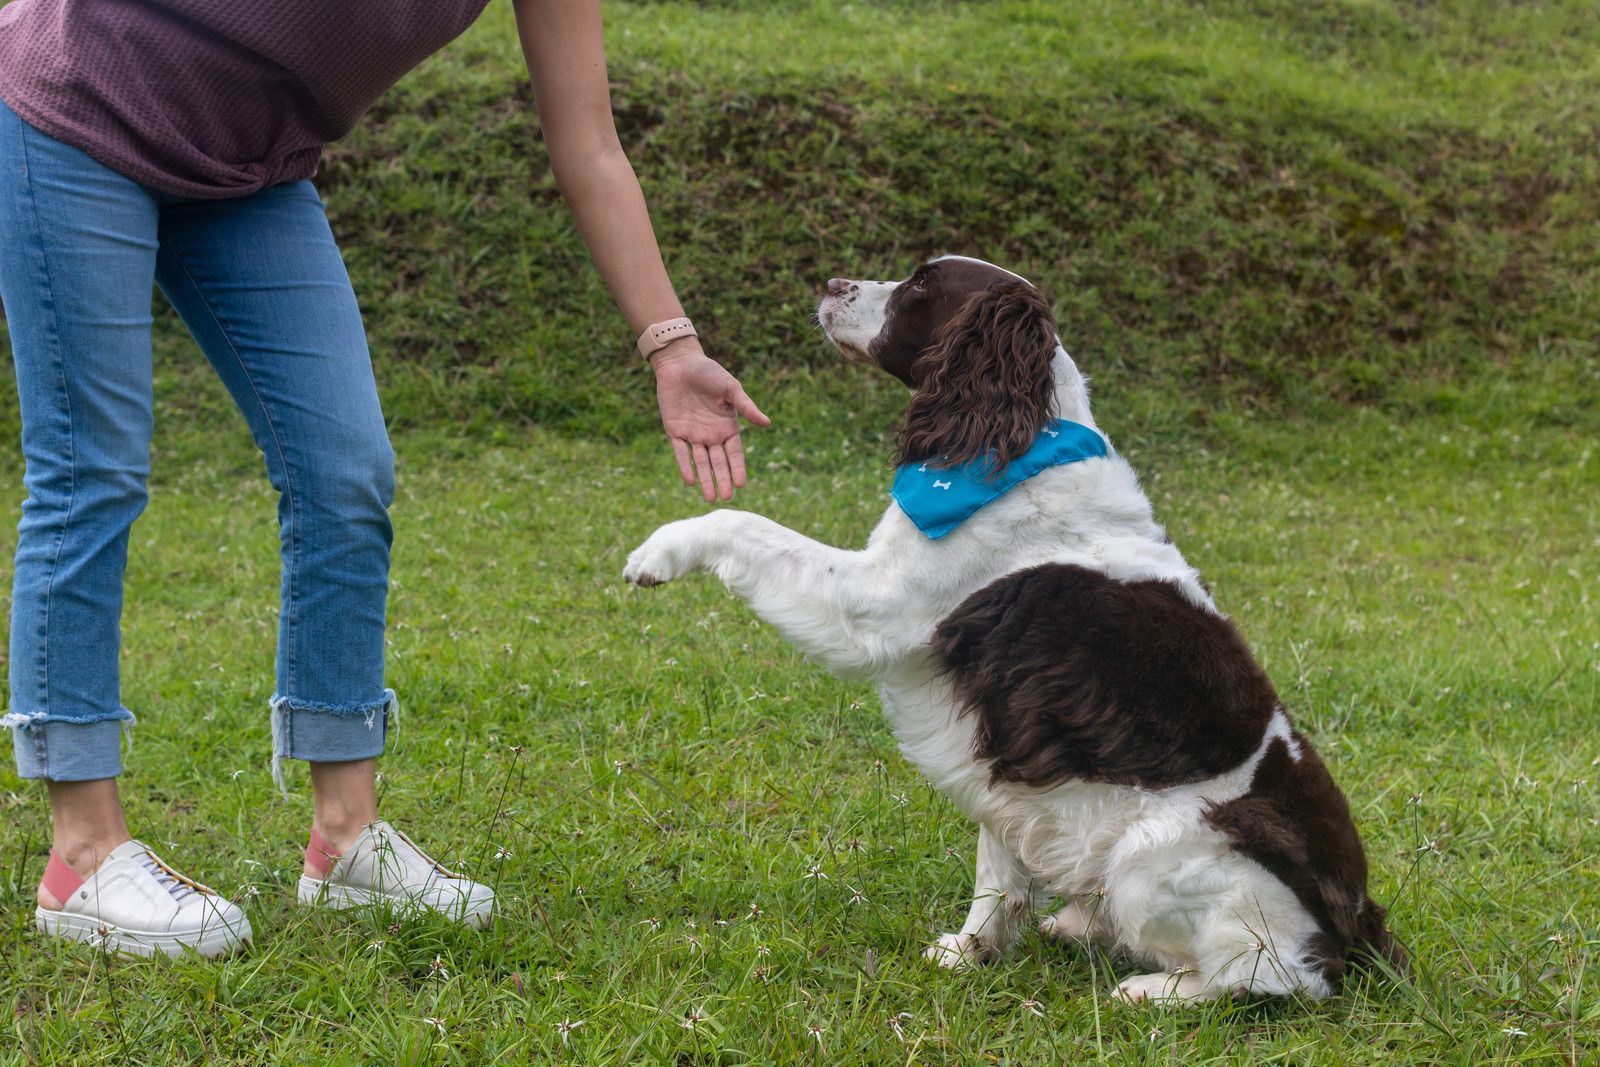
(677, 351)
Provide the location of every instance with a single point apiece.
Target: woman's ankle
(344, 800)
(88, 826)
(83, 856)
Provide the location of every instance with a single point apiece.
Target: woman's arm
(700, 402)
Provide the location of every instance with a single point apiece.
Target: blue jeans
(259, 282)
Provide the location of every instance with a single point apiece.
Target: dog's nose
(840, 286)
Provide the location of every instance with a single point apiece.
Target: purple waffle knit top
(212, 98)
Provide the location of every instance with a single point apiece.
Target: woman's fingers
(680, 449)
(735, 448)
(719, 464)
(702, 465)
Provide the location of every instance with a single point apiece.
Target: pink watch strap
(661, 334)
(59, 880)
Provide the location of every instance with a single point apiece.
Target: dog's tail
(1373, 945)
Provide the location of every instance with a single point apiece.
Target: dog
(1049, 660)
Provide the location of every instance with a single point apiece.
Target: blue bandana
(938, 499)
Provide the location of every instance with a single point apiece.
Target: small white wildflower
(691, 1019)
(856, 895)
(1032, 1007)
(815, 871)
(374, 946)
(565, 1028)
(816, 1030)
(235, 775)
(1512, 1031)
(653, 922)
(437, 1024)
(438, 970)
(502, 853)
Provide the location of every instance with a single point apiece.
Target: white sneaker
(384, 865)
(137, 905)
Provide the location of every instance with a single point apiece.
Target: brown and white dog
(1060, 672)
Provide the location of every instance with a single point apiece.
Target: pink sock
(59, 880)
(320, 854)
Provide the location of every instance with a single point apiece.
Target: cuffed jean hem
(68, 750)
(327, 733)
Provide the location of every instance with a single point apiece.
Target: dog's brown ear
(983, 388)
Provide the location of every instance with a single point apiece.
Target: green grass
(1424, 601)
(1331, 265)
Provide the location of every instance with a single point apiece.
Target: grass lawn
(1332, 267)
(666, 775)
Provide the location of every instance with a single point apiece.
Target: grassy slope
(1351, 200)
(1241, 214)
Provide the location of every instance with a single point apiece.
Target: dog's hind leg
(1169, 987)
(1077, 922)
(1000, 897)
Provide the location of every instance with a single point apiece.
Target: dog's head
(976, 344)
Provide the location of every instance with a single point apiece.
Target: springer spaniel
(1052, 664)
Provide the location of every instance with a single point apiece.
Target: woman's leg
(260, 283)
(77, 260)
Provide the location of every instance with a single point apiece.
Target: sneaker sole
(208, 944)
(314, 893)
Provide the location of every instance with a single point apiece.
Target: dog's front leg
(828, 602)
(1000, 897)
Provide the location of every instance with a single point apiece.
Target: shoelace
(174, 885)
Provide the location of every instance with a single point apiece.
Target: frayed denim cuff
(59, 749)
(328, 733)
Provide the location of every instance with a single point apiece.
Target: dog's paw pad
(642, 579)
(648, 565)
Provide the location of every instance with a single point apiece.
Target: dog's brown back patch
(1072, 674)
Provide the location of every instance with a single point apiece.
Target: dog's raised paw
(655, 562)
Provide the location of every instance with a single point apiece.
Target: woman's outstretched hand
(700, 408)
